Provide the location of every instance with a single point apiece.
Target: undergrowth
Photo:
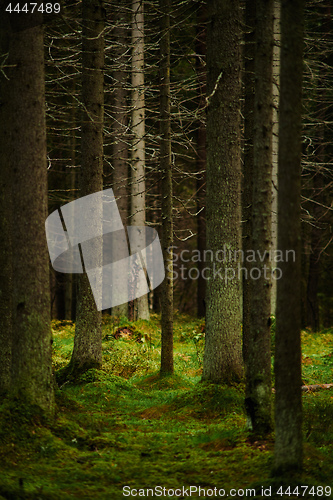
(124, 425)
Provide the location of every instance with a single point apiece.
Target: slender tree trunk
(166, 170)
(24, 108)
(119, 125)
(69, 278)
(247, 191)
(275, 142)
(5, 267)
(288, 402)
(138, 183)
(5, 227)
(201, 154)
(223, 349)
(87, 352)
(258, 366)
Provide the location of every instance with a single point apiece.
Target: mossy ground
(124, 425)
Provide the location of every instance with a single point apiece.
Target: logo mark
(87, 235)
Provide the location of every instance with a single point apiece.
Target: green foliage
(317, 357)
(141, 430)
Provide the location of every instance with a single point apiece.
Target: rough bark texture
(247, 188)
(275, 142)
(201, 154)
(166, 184)
(119, 125)
(5, 226)
(87, 352)
(258, 366)
(288, 403)
(138, 183)
(31, 371)
(223, 350)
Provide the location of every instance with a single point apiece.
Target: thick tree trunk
(258, 366)
(288, 402)
(138, 183)
(31, 370)
(223, 349)
(166, 184)
(119, 125)
(87, 352)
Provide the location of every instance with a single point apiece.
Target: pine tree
(288, 402)
(223, 351)
(138, 182)
(87, 352)
(23, 112)
(166, 185)
(258, 363)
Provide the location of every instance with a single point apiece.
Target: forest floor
(125, 432)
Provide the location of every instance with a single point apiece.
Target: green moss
(145, 430)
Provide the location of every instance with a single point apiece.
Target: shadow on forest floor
(124, 427)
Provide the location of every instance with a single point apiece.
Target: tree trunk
(138, 184)
(166, 170)
(288, 402)
(5, 228)
(258, 366)
(24, 109)
(223, 351)
(247, 191)
(275, 142)
(119, 125)
(69, 278)
(87, 352)
(201, 154)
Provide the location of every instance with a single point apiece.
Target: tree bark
(275, 142)
(25, 153)
(166, 184)
(138, 183)
(258, 366)
(247, 191)
(223, 350)
(5, 225)
(119, 125)
(69, 278)
(288, 402)
(87, 352)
